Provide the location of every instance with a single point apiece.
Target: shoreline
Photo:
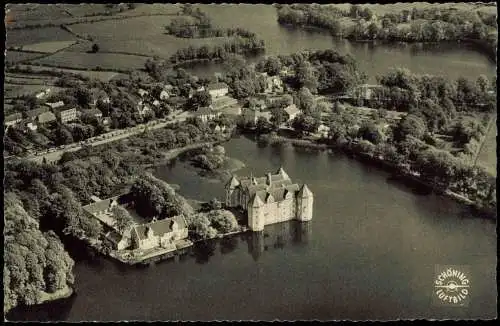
(397, 171)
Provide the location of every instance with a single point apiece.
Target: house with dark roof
(270, 199)
(217, 90)
(163, 233)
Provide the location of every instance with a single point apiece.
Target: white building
(292, 111)
(217, 90)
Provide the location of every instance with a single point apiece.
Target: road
(112, 136)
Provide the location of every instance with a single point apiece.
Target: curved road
(114, 135)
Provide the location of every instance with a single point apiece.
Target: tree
(410, 125)
(272, 66)
(123, 220)
(278, 116)
(95, 48)
(223, 221)
(370, 132)
(306, 100)
(262, 125)
(304, 123)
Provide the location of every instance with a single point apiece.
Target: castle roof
(233, 182)
(304, 191)
(256, 201)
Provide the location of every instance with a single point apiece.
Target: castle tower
(256, 214)
(230, 188)
(283, 173)
(304, 204)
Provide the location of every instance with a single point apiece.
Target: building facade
(163, 233)
(68, 115)
(270, 199)
(217, 90)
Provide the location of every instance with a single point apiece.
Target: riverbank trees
(415, 25)
(35, 263)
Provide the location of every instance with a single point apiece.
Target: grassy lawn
(48, 47)
(35, 12)
(153, 9)
(91, 61)
(488, 156)
(13, 79)
(21, 37)
(18, 56)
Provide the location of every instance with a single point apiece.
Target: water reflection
(53, 311)
(278, 236)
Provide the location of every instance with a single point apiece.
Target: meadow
(22, 37)
(48, 47)
(13, 91)
(92, 61)
(20, 56)
(100, 75)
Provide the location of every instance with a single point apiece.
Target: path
(490, 157)
(108, 137)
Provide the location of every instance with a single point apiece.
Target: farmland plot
(35, 12)
(100, 75)
(48, 47)
(91, 61)
(19, 56)
(12, 91)
(153, 9)
(21, 37)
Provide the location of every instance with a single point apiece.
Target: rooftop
(46, 117)
(160, 227)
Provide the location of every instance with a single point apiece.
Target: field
(35, 12)
(48, 47)
(488, 155)
(21, 37)
(100, 75)
(12, 91)
(153, 9)
(22, 79)
(133, 28)
(19, 56)
(91, 61)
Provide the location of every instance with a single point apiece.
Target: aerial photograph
(250, 162)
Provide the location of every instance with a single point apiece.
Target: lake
(369, 253)
(448, 59)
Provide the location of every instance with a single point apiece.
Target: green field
(12, 90)
(91, 61)
(21, 37)
(35, 12)
(48, 47)
(19, 56)
(100, 75)
(488, 155)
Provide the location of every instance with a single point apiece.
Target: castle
(270, 199)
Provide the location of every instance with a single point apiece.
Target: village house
(323, 130)
(270, 199)
(164, 95)
(156, 103)
(97, 94)
(68, 115)
(46, 117)
(292, 111)
(143, 108)
(217, 90)
(163, 233)
(43, 93)
(206, 113)
(13, 119)
(273, 84)
(55, 105)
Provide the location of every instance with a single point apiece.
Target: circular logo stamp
(451, 286)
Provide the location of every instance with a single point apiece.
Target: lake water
(452, 60)
(369, 253)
